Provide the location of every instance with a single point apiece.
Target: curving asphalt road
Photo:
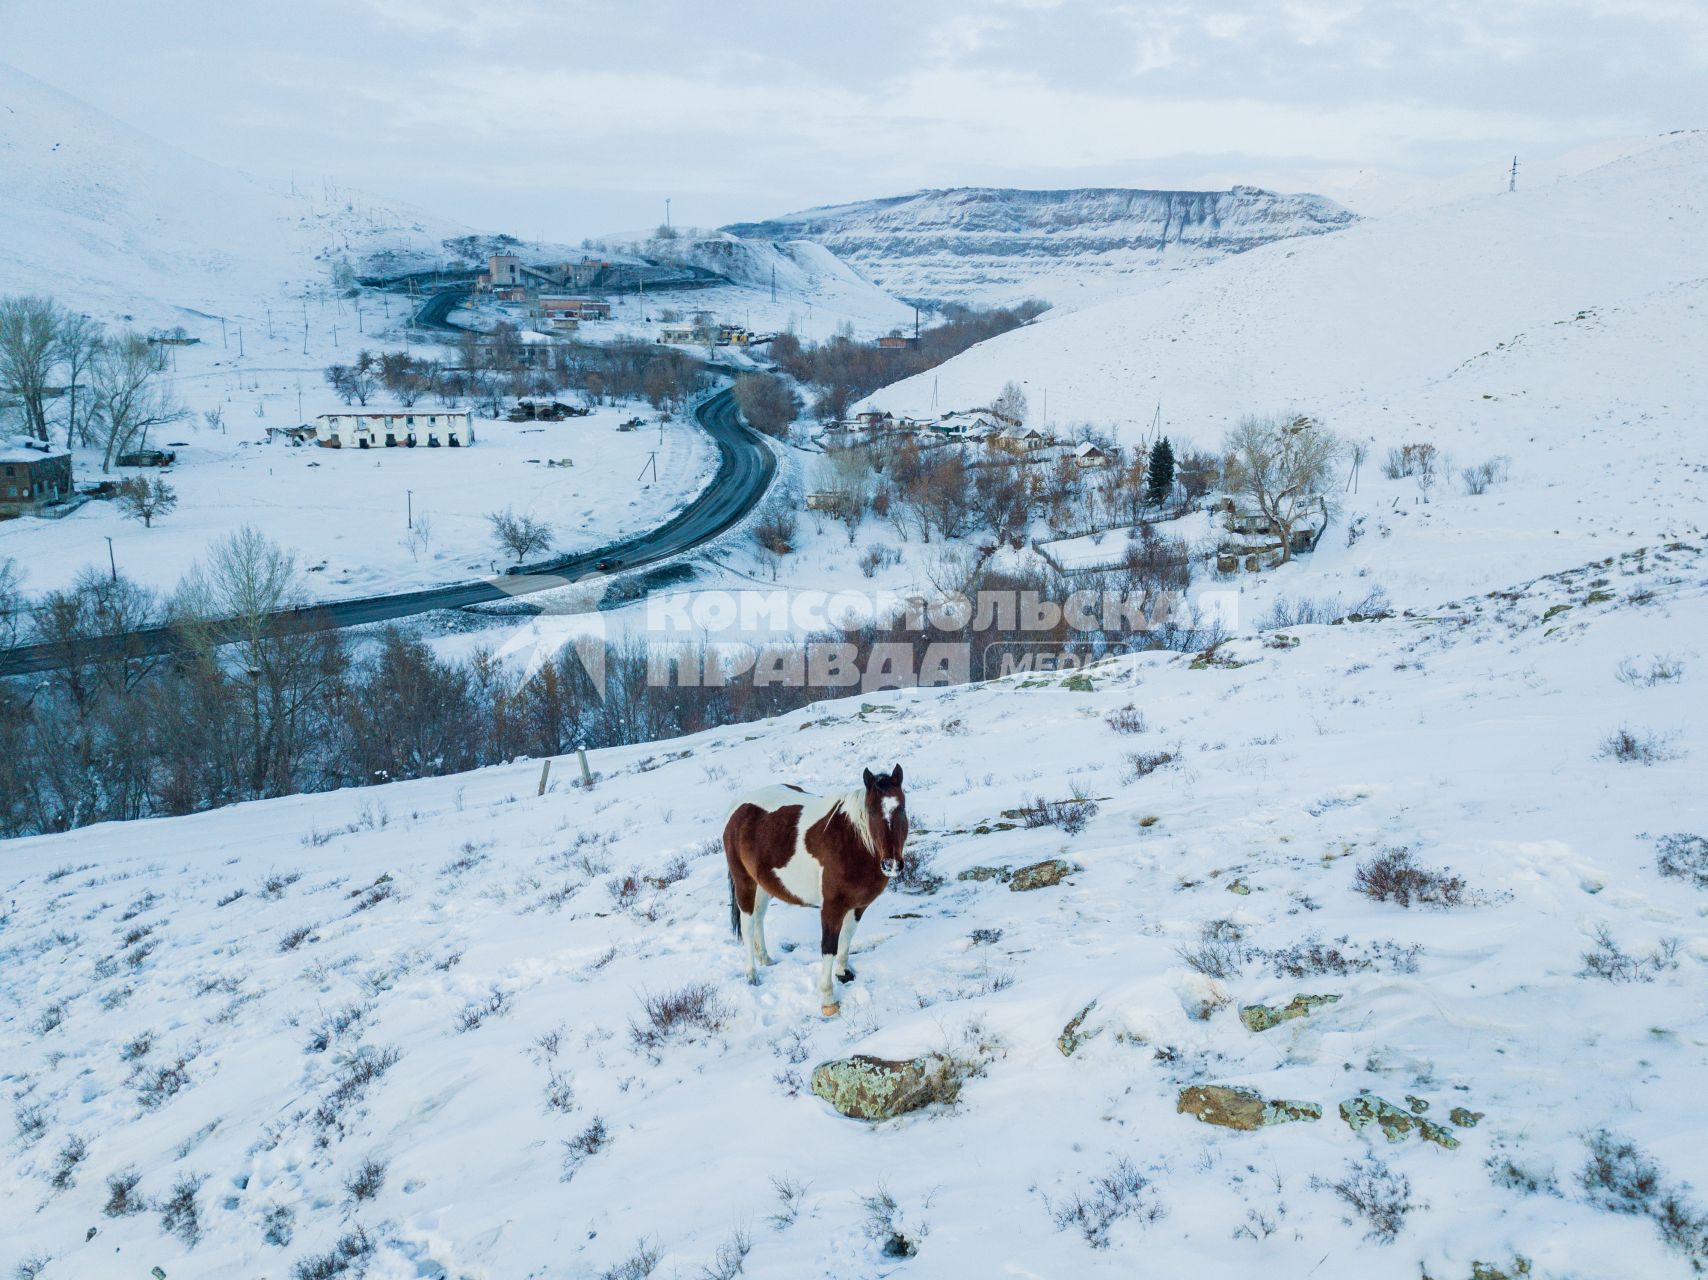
(746, 467)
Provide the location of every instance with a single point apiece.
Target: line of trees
(843, 370)
(65, 374)
(249, 709)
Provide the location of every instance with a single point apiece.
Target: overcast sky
(570, 117)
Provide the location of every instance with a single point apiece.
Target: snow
(1470, 737)
(344, 512)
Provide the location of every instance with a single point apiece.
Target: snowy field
(447, 978)
(344, 511)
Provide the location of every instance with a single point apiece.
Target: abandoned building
(394, 428)
(33, 474)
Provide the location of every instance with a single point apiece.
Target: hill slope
(236, 1012)
(1000, 245)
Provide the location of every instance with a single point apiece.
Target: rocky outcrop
(1261, 1017)
(1396, 1123)
(1072, 1036)
(868, 1088)
(1232, 1107)
(986, 873)
(1041, 875)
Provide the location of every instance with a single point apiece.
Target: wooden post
(545, 772)
(586, 773)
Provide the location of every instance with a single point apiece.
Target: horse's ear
(870, 780)
(897, 775)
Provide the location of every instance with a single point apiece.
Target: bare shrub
(1121, 1193)
(578, 1150)
(470, 856)
(278, 1223)
(1607, 960)
(919, 872)
(274, 885)
(625, 890)
(180, 1215)
(1141, 764)
(1657, 669)
(31, 1266)
(1478, 479)
(365, 1183)
(1636, 746)
(1070, 815)
(155, 1088)
(494, 1003)
(1377, 1194)
(696, 1007)
(350, 1254)
(122, 1198)
(1220, 952)
(790, 1194)
(355, 1074)
(294, 938)
(1127, 719)
(1395, 876)
(560, 1092)
(878, 556)
(520, 535)
(896, 1232)
(337, 1025)
(731, 1258)
(1506, 1172)
(31, 1121)
(1683, 856)
(72, 1154)
(637, 1266)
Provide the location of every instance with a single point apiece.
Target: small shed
(33, 474)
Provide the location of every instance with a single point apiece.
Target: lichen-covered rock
(1464, 1118)
(1518, 1268)
(986, 873)
(1072, 1037)
(1261, 1017)
(1395, 1123)
(868, 1088)
(1236, 1108)
(1417, 1104)
(1041, 875)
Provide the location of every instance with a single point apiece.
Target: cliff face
(991, 243)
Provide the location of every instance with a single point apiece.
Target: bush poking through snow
(919, 872)
(1395, 876)
(578, 1150)
(72, 1154)
(1127, 719)
(1121, 1193)
(278, 1224)
(350, 1254)
(154, 1088)
(789, 1196)
(731, 1258)
(32, 1266)
(637, 1266)
(179, 1213)
(896, 1232)
(1070, 815)
(1620, 1178)
(365, 1183)
(1311, 957)
(122, 1199)
(1377, 1194)
(1659, 669)
(695, 1007)
(1684, 857)
(1220, 953)
(31, 1119)
(1607, 960)
(1141, 764)
(1626, 745)
(475, 1012)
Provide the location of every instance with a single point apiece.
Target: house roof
(1087, 450)
(15, 449)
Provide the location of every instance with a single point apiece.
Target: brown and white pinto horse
(835, 853)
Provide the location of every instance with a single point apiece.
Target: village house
(579, 308)
(394, 428)
(33, 475)
(1089, 455)
(874, 420)
(896, 342)
(1018, 439)
(681, 334)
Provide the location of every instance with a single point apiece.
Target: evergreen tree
(1161, 471)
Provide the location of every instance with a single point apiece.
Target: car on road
(607, 566)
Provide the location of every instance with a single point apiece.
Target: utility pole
(112, 563)
(222, 342)
(651, 465)
(773, 282)
(409, 507)
(667, 213)
(269, 322)
(240, 342)
(1512, 178)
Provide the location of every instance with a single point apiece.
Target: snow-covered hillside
(1000, 245)
(412, 1019)
(1554, 327)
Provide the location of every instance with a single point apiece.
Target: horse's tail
(734, 912)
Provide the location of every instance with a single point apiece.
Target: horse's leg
(761, 900)
(746, 899)
(829, 936)
(843, 943)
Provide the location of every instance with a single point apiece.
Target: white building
(395, 429)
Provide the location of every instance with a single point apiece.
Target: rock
(1396, 1125)
(1464, 1118)
(1041, 875)
(1078, 683)
(868, 1088)
(1514, 1270)
(1261, 1017)
(986, 873)
(1239, 886)
(1418, 1105)
(1071, 1037)
(1236, 1108)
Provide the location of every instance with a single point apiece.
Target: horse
(836, 853)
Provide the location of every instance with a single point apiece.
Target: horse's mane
(853, 806)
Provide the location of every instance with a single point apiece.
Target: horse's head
(886, 817)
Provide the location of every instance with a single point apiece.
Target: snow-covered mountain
(999, 244)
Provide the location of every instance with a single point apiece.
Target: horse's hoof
(831, 1010)
(753, 979)
(767, 961)
(846, 976)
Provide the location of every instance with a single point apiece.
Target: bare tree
(128, 397)
(355, 382)
(146, 500)
(29, 352)
(767, 402)
(79, 345)
(1011, 404)
(520, 534)
(1281, 464)
(11, 601)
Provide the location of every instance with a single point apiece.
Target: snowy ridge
(308, 984)
(1001, 244)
